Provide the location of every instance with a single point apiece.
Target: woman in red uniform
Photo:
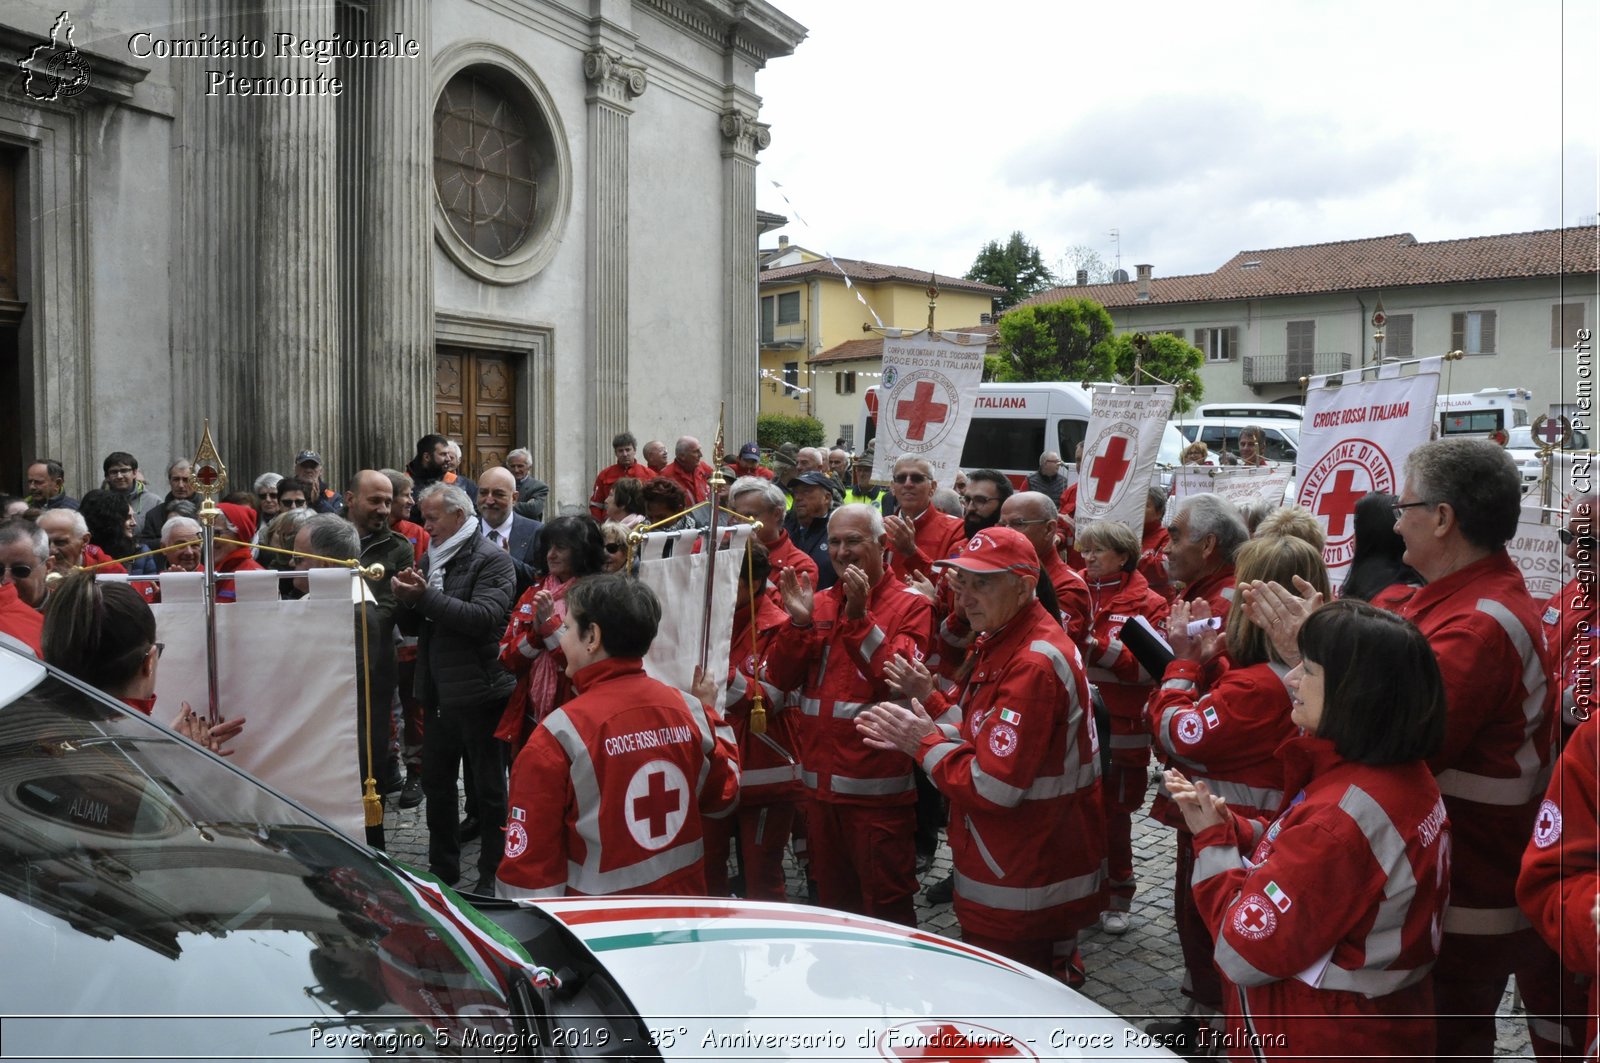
(1117, 594)
(1328, 920)
(1226, 734)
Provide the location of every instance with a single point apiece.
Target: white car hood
(735, 980)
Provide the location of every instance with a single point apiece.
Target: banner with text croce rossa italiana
(1355, 439)
(925, 401)
(1119, 452)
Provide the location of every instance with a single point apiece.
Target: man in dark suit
(532, 492)
(503, 526)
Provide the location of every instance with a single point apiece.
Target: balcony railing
(792, 336)
(1285, 369)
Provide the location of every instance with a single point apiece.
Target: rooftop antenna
(1116, 237)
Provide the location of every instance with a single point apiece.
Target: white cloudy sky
(912, 131)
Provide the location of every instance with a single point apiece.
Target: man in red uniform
(1023, 777)
(1559, 887)
(1153, 550)
(918, 533)
(763, 500)
(1033, 514)
(688, 471)
(24, 556)
(749, 463)
(609, 793)
(862, 815)
(655, 456)
(69, 542)
(623, 446)
(1206, 532)
(1458, 508)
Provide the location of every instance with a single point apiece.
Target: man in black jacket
(458, 604)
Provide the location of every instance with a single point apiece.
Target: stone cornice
(753, 28)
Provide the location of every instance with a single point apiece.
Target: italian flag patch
(1211, 716)
(1009, 716)
(1280, 900)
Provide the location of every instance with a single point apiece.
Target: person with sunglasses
(918, 533)
(24, 552)
(293, 494)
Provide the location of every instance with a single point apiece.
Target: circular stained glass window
(486, 164)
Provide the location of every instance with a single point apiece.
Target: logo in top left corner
(56, 70)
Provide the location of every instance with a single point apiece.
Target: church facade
(337, 225)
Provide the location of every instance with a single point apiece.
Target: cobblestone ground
(1135, 975)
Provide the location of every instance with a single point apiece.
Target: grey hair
(452, 446)
(770, 492)
(73, 518)
(17, 530)
(455, 499)
(1047, 455)
(176, 524)
(282, 528)
(1211, 514)
(175, 462)
(684, 445)
(1157, 496)
(1480, 482)
(1111, 535)
(927, 467)
(267, 481)
(946, 501)
(874, 518)
(332, 536)
(399, 482)
(522, 452)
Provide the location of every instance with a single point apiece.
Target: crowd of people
(1374, 822)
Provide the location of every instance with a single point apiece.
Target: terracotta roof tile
(872, 346)
(1353, 265)
(871, 273)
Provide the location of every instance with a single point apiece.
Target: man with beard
(431, 466)
(987, 490)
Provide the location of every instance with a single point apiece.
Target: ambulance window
(1003, 443)
(1069, 433)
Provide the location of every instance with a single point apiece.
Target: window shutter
(1565, 321)
(1486, 341)
(1397, 332)
(1458, 332)
(1231, 347)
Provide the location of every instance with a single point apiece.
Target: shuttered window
(789, 308)
(1565, 321)
(1472, 331)
(1397, 336)
(1219, 344)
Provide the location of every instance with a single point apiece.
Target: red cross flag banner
(1355, 439)
(1538, 551)
(1119, 452)
(1237, 483)
(672, 566)
(925, 400)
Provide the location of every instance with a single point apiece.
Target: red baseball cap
(996, 549)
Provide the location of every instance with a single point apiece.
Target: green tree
(1066, 340)
(1165, 356)
(1015, 266)
(775, 429)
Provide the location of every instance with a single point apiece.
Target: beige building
(1515, 304)
(808, 311)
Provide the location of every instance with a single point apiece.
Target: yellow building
(807, 309)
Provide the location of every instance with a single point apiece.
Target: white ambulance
(1012, 424)
(1492, 412)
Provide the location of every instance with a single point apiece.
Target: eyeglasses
(1401, 507)
(1014, 523)
(1585, 542)
(977, 500)
(293, 503)
(159, 648)
(18, 571)
(264, 495)
(910, 478)
(120, 470)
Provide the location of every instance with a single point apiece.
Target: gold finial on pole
(210, 479)
(933, 297)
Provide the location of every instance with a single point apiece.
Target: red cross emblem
(948, 1042)
(1255, 918)
(920, 411)
(1108, 469)
(1338, 503)
(1547, 828)
(656, 804)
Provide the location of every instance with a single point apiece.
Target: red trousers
(864, 858)
(1124, 791)
(763, 832)
(1201, 982)
(1059, 958)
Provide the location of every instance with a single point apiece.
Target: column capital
(613, 78)
(742, 134)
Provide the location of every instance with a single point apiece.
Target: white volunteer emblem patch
(1552, 615)
(1254, 918)
(656, 804)
(1190, 728)
(516, 839)
(1547, 827)
(1003, 740)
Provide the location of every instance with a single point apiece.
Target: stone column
(393, 380)
(742, 137)
(297, 395)
(613, 83)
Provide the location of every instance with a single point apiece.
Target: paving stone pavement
(1135, 975)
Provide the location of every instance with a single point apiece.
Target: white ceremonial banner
(303, 743)
(1538, 552)
(925, 400)
(1354, 440)
(1237, 483)
(1119, 452)
(671, 566)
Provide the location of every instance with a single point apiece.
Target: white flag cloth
(670, 566)
(1355, 439)
(1538, 552)
(1237, 483)
(289, 668)
(925, 401)
(1119, 452)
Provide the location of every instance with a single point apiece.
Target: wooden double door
(475, 404)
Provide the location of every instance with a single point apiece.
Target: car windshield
(145, 878)
(1521, 438)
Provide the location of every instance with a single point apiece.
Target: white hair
(856, 509)
(770, 492)
(521, 452)
(175, 524)
(455, 499)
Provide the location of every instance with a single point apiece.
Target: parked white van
(1280, 442)
(1492, 412)
(1013, 424)
(1261, 411)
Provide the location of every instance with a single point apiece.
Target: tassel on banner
(372, 804)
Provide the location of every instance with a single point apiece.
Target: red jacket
(1153, 561)
(1330, 931)
(782, 553)
(733, 472)
(94, 556)
(693, 481)
(20, 620)
(1227, 735)
(1485, 632)
(415, 534)
(938, 537)
(1072, 595)
(608, 794)
(607, 478)
(1567, 615)
(1113, 668)
(769, 763)
(837, 663)
(1026, 829)
(1561, 866)
(1216, 589)
(532, 652)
